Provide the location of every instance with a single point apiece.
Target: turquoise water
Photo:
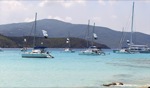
(73, 70)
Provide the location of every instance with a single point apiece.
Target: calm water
(73, 70)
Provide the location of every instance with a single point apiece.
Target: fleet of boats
(41, 52)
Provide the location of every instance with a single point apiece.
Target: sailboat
(120, 43)
(69, 50)
(37, 51)
(133, 48)
(92, 50)
(24, 48)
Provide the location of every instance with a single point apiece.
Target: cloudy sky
(114, 14)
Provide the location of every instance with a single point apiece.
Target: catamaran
(92, 50)
(133, 48)
(37, 51)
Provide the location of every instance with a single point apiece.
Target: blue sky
(114, 14)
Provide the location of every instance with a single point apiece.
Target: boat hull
(33, 55)
(88, 53)
(145, 51)
(91, 53)
(69, 51)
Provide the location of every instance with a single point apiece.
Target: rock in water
(114, 83)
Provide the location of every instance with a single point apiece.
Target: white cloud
(114, 16)
(82, 2)
(12, 5)
(112, 2)
(102, 2)
(43, 3)
(49, 17)
(58, 18)
(12, 11)
(70, 3)
(64, 3)
(23, 10)
(67, 4)
(147, 1)
(29, 19)
(96, 19)
(68, 19)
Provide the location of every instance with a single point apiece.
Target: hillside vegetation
(6, 42)
(16, 42)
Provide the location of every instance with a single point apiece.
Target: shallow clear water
(72, 70)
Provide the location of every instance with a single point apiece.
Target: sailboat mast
(88, 33)
(34, 31)
(131, 41)
(93, 35)
(121, 40)
(69, 39)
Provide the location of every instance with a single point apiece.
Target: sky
(114, 14)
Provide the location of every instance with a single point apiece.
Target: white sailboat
(37, 51)
(92, 50)
(68, 49)
(133, 48)
(120, 49)
(24, 43)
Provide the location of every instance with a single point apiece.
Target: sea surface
(73, 70)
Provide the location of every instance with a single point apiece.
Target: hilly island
(12, 35)
(49, 42)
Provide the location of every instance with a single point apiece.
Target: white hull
(68, 50)
(24, 49)
(92, 51)
(36, 55)
(123, 51)
(88, 53)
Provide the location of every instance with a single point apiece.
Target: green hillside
(52, 42)
(6, 42)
